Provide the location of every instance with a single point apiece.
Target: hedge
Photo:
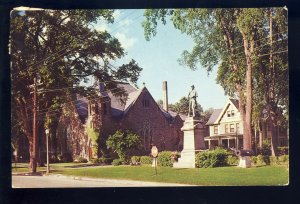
(146, 160)
(164, 159)
(212, 158)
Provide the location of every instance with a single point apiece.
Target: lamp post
(47, 146)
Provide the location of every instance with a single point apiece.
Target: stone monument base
(187, 159)
(245, 162)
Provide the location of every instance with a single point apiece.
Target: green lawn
(222, 176)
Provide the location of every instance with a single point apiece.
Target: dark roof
(81, 105)
(120, 105)
(214, 116)
(235, 102)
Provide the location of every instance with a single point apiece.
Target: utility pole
(34, 160)
(34, 132)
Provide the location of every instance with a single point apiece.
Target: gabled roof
(235, 102)
(120, 105)
(232, 102)
(214, 116)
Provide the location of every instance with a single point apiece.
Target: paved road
(60, 181)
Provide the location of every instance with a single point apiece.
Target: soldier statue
(192, 101)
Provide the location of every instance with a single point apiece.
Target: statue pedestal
(193, 141)
(245, 162)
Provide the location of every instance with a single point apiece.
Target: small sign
(154, 151)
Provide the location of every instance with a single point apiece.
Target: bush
(117, 162)
(253, 160)
(164, 159)
(212, 158)
(274, 160)
(81, 160)
(265, 150)
(198, 160)
(232, 160)
(146, 160)
(262, 160)
(283, 150)
(135, 159)
(283, 158)
(174, 156)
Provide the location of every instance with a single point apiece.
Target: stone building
(136, 111)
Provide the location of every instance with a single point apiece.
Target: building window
(215, 129)
(232, 113)
(228, 113)
(146, 103)
(226, 128)
(231, 127)
(237, 127)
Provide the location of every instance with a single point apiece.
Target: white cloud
(101, 26)
(125, 41)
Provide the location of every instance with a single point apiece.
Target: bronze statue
(192, 101)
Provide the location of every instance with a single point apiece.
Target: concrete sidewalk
(62, 181)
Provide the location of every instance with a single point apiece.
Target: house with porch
(225, 127)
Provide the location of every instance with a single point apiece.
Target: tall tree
(228, 38)
(63, 49)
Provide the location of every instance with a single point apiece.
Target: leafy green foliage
(224, 37)
(183, 107)
(122, 142)
(135, 159)
(265, 150)
(232, 160)
(211, 158)
(94, 135)
(283, 150)
(64, 50)
(164, 159)
(146, 160)
(117, 162)
(81, 160)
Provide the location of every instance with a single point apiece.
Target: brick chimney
(165, 96)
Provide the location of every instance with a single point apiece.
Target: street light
(47, 146)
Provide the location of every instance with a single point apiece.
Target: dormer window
(232, 113)
(228, 113)
(146, 103)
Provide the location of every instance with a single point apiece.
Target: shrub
(81, 160)
(283, 158)
(232, 160)
(283, 150)
(146, 160)
(273, 160)
(197, 160)
(265, 150)
(253, 160)
(117, 162)
(262, 160)
(123, 142)
(164, 159)
(212, 158)
(135, 159)
(94, 161)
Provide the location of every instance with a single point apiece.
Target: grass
(222, 176)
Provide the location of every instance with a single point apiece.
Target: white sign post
(154, 153)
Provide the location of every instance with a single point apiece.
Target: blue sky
(158, 58)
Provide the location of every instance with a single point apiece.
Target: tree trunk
(248, 48)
